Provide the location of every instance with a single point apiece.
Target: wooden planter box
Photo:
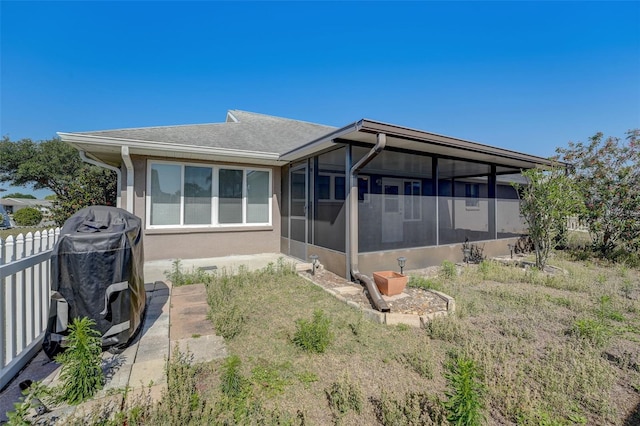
(389, 282)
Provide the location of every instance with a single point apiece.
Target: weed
(81, 372)
(448, 270)
(486, 267)
(179, 278)
(180, 403)
(419, 362)
(31, 400)
(594, 331)
(401, 327)
(465, 393)
(424, 283)
(343, 396)
(447, 329)
(233, 384)
(560, 301)
(315, 335)
(627, 288)
(228, 320)
(268, 379)
(307, 377)
(414, 409)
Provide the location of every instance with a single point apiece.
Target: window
(472, 195)
(203, 195)
(363, 189)
(324, 187)
(330, 187)
(339, 188)
(412, 200)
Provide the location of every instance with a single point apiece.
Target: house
(358, 196)
(12, 205)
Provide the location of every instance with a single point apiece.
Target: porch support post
(493, 204)
(434, 191)
(348, 161)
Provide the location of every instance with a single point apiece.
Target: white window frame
(414, 199)
(332, 187)
(215, 174)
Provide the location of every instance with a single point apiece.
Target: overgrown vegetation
(521, 349)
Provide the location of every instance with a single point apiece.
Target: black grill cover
(97, 272)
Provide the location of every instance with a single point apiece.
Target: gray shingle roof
(252, 132)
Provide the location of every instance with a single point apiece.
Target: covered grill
(97, 272)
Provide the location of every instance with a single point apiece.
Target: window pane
(197, 195)
(363, 187)
(339, 187)
(323, 187)
(230, 196)
(166, 182)
(257, 197)
(407, 200)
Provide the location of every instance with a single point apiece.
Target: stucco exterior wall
(194, 243)
(427, 256)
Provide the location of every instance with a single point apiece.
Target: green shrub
(27, 216)
(81, 373)
(465, 393)
(315, 335)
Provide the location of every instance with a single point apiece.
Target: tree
(546, 202)
(27, 216)
(55, 165)
(607, 172)
(20, 195)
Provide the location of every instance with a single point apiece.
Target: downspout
(83, 156)
(374, 293)
(129, 165)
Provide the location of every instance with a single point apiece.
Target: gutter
(129, 165)
(83, 156)
(374, 293)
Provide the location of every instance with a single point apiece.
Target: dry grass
(518, 326)
(557, 349)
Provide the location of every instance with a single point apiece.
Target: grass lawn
(4, 233)
(545, 349)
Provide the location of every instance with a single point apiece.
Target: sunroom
(369, 193)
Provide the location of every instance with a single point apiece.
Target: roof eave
(79, 141)
(434, 138)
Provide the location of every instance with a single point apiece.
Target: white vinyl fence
(25, 284)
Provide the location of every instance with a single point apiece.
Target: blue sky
(519, 75)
